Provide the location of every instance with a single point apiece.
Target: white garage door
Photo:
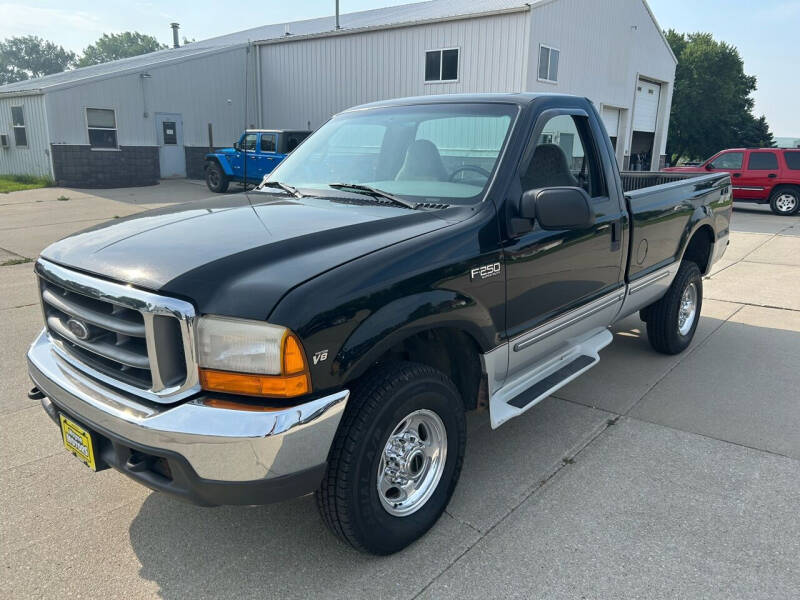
(611, 120)
(645, 113)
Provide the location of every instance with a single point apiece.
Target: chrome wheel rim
(412, 463)
(688, 309)
(786, 202)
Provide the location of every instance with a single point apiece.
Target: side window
(18, 123)
(548, 63)
(565, 155)
(441, 65)
(268, 142)
(763, 161)
(249, 142)
(793, 160)
(729, 160)
(293, 139)
(102, 125)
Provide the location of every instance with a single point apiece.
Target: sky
(765, 31)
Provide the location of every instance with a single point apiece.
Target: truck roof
(519, 98)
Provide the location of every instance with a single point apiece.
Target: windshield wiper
(289, 189)
(371, 191)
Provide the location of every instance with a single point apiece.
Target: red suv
(762, 175)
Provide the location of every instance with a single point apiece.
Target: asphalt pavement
(649, 477)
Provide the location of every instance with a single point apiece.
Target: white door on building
(645, 112)
(171, 155)
(611, 121)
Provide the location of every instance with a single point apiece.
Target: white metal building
(133, 121)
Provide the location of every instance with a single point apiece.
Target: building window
(548, 63)
(18, 122)
(102, 125)
(441, 65)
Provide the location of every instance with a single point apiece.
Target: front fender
(404, 317)
(222, 162)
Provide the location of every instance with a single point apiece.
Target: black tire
(663, 317)
(348, 497)
(216, 180)
(785, 201)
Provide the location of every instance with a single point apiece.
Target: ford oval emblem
(78, 328)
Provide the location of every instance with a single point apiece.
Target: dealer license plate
(78, 441)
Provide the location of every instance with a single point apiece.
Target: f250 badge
(485, 271)
(320, 356)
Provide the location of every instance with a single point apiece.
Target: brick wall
(195, 161)
(130, 166)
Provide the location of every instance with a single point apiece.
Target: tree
(30, 56)
(711, 104)
(119, 45)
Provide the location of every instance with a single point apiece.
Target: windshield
(444, 153)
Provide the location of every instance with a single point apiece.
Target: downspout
(259, 105)
(47, 136)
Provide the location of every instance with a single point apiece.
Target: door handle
(772, 175)
(737, 174)
(616, 235)
(253, 158)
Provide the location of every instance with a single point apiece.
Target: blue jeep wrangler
(262, 149)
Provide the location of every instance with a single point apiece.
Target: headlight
(250, 357)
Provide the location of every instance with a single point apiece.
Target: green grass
(16, 261)
(15, 183)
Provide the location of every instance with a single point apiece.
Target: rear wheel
(396, 458)
(672, 321)
(785, 201)
(216, 180)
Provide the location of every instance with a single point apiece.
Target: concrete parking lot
(651, 476)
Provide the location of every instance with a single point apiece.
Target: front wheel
(785, 201)
(216, 180)
(396, 458)
(672, 321)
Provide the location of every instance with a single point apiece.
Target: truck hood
(235, 255)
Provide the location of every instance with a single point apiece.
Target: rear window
(763, 161)
(793, 160)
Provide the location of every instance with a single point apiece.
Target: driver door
(550, 273)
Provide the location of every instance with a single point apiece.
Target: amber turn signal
(273, 386)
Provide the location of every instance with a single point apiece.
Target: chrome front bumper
(223, 445)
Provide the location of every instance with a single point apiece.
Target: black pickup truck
(410, 261)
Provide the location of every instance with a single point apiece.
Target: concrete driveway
(652, 476)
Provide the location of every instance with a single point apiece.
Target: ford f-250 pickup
(412, 260)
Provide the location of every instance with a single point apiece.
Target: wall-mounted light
(145, 75)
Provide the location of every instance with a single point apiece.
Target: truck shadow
(716, 389)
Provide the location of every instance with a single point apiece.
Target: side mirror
(236, 146)
(710, 167)
(558, 208)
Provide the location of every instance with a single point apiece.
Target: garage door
(645, 113)
(611, 120)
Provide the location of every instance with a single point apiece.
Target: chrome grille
(135, 340)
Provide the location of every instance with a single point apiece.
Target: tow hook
(35, 393)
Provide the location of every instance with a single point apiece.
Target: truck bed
(663, 207)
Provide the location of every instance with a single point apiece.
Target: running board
(553, 381)
(541, 380)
